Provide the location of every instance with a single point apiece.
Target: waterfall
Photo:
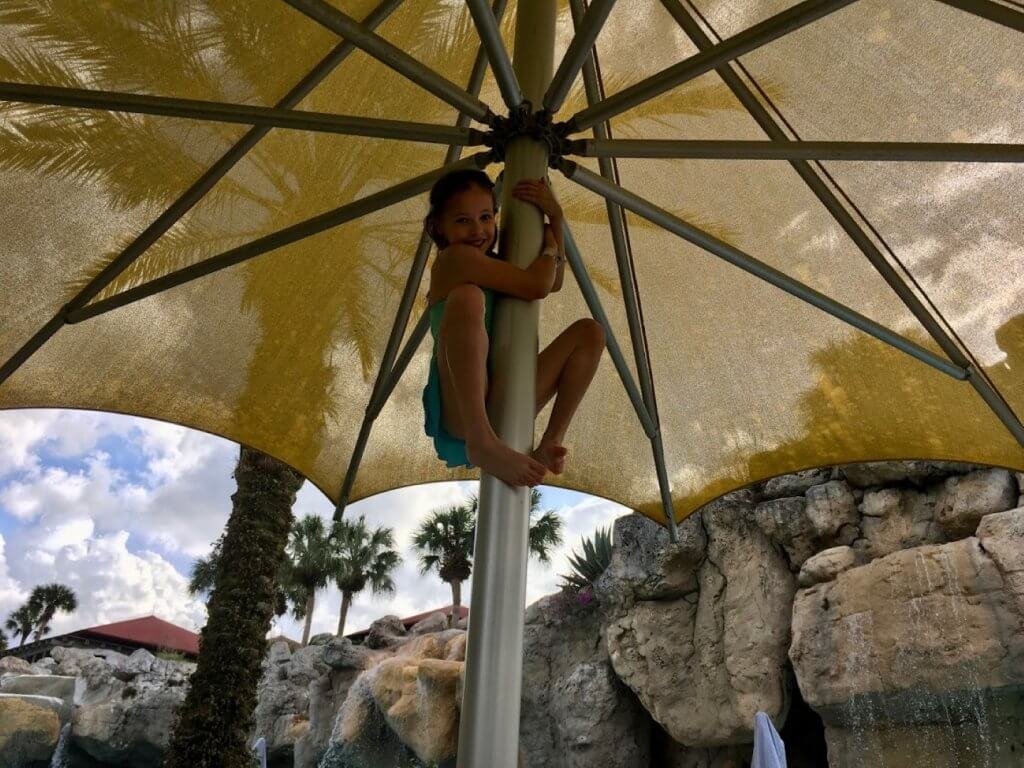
(260, 748)
(60, 754)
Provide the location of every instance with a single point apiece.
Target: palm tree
(48, 599)
(362, 558)
(216, 716)
(445, 540)
(204, 576)
(310, 564)
(23, 621)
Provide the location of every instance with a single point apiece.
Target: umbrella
(769, 751)
(801, 221)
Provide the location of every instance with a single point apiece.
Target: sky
(118, 508)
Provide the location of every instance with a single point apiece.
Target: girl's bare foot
(551, 455)
(496, 458)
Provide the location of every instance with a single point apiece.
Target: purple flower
(585, 596)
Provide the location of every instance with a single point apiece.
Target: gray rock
(1020, 488)
(283, 698)
(645, 566)
(703, 664)
(785, 521)
(963, 501)
(831, 508)
(342, 653)
(826, 565)
(435, 622)
(462, 623)
(326, 696)
(941, 620)
(12, 665)
(321, 638)
(278, 653)
(386, 632)
(878, 473)
(574, 710)
(45, 666)
(796, 484)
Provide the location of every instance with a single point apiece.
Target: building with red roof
(149, 632)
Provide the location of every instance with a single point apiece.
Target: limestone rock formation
(575, 712)
(12, 665)
(705, 658)
(415, 693)
(282, 708)
(29, 729)
(386, 632)
(826, 565)
(963, 501)
(125, 706)
(435, 622)
(924, 638)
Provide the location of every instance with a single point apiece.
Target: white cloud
(121, 524)
(113, 584)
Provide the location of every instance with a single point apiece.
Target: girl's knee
(590, 333)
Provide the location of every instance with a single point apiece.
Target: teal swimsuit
(450, 448)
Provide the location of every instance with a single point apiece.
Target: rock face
(386, 632)
(826, 565)
(575, 712)
(926, 639)
(125, 708)
(709, 651)
(282, 708)
(407, 703)
(29, 729)
(326, 695)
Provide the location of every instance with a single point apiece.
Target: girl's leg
(564, 371)
(462, 363)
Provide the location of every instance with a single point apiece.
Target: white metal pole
(489, 727)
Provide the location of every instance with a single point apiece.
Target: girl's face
(468, 219)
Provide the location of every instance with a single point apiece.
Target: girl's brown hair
(445, 189)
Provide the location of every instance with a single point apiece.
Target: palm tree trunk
(310, 605)
(216, 716)
(346, 601)
(456, 602)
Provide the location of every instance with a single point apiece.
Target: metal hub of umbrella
(759, 372)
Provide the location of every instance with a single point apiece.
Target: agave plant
(588, 566)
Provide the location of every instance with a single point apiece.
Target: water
(60, 755)
(260, 748)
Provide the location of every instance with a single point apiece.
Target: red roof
(150, 632)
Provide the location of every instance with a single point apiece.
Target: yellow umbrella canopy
(866, 154)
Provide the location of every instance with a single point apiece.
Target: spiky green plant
(591, 563)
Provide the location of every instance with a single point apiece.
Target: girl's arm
(538, 193)
(459, 264)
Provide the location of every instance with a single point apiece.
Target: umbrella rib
(587, 30)
(738, 258)
(189, 198)
(985, 389)
(387, 376)
(275, 240)
(986, 9)
(393, 57)
(501, 65)
(594, 92)
(700, 63)
(801, 150)
(270, 117)
(593, 301)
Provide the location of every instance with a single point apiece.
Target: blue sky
(119, 507)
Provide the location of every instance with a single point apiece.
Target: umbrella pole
(489, 726)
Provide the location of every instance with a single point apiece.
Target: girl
(463, 280)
